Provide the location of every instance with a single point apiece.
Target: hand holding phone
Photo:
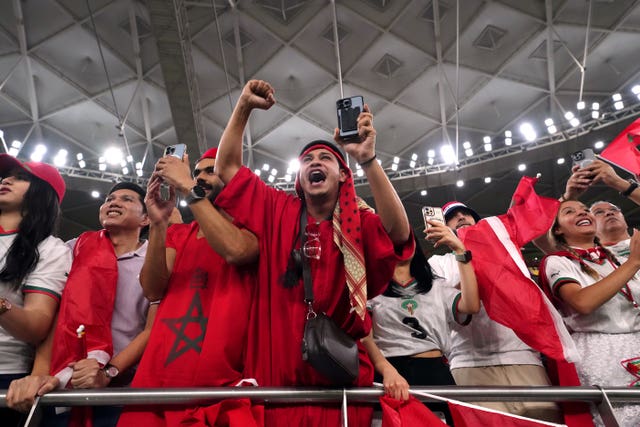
(348, 110)
(177, 150)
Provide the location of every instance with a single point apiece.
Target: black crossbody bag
(329, 349)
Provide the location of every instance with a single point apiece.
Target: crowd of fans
(221, 302)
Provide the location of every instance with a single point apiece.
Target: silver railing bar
(132, 396)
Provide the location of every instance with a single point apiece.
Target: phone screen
(348, 111)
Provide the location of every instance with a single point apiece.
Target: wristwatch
(5, 305)
(464, 257)
(632, 186)
(197, 193)
(110, 371)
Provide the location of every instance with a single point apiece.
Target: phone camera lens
(347, 103)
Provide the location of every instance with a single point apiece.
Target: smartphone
(348, 111)
(431, 213)
(177, 150)
(583, 158)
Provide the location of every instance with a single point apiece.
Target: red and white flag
(623, 150)
(508, 293)
(467, 415)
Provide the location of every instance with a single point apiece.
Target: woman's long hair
(419, 270)
(40, 212)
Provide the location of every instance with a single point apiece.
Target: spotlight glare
(560, 161)
(431, 153)
(508, 141)
(271, 178)
(507, 134)
(396, 160)
(618, 105)
(95, 194)
(448, 154)
(552, 129)
(595, 106)
(574, 122)
(459, 183)
(79, 156)
(13, 152)
(487, 147)
(82, 164)
(412, 164)
(430, 160)
(414, 157)
(183, 203)
(548, 122)
(486, 139)
(636, 90)
(468, 152)
(294, 165)
(528, 132)
(360, 172)
(487, 180)
(139, 172)
(394, 167)
(102, 167)
(616, 97)
(595, 114)
(274, 172)
(130, 158)
(580, 105)
(139, 165)
(125, 170)
(287, 178)
(423, 193)
(113, 155)
(598, 145)
(257, 172)
(522, 167)
(466, 145)
(265, 167)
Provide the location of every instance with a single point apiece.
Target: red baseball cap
(45, 172)
(211, 153)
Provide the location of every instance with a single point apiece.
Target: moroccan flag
(398, 413)
(623, 151)
(507, 291)
(466, 415)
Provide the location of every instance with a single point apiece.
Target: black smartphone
(348, 111)
(177, 150)
(583, 158)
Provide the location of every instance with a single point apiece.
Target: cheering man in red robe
(353, 257)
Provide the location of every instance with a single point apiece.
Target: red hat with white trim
(452, 207)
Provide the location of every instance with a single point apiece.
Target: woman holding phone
(33, 265)
(598, 295)
(411, 320)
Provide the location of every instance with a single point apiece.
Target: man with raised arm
(199, 337)
(353, 256)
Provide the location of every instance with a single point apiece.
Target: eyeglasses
(312, 248)
(601, 212)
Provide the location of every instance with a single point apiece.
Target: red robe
(199, 335)
(277, 316)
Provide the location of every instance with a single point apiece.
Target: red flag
(409, 413)
(506, 289)
(465, 415)
(623, 151)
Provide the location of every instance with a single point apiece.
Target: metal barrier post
(606, 410)
(345, 415)
(35, 414)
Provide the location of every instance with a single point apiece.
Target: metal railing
(600, 396)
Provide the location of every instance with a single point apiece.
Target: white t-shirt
(620, 249)
(482, 342)
(404, 326)
(616, 316)
(48, 278)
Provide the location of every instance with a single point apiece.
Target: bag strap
(306, 268)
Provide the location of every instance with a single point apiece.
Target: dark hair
(133, 187)
(40, 212)
(419, 270)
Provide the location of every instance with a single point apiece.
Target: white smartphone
(177, 150)
(431, 213)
